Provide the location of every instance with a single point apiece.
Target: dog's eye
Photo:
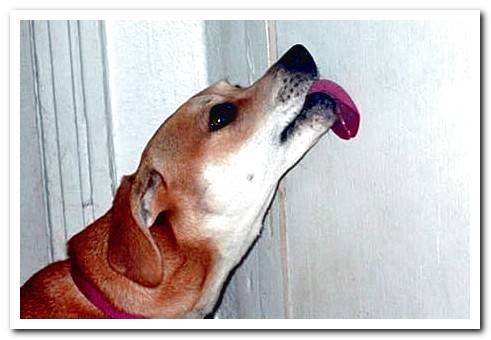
(221, 115)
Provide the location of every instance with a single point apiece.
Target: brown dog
(186, 217)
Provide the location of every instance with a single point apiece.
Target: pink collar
(95, 296)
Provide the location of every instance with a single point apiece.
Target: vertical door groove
(272, 51)
(107, 106)
(76, 115)
(57, 128)
(272, 48)
(87, 129)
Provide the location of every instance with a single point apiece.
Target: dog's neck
(195, 267)
(188, 273)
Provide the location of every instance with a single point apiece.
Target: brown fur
(160, 271)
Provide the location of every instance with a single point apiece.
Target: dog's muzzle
(297, 72)
(314, 100)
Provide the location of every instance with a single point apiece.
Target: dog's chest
(232, 243)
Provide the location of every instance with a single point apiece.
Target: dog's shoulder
(39, 294)
(46, 293)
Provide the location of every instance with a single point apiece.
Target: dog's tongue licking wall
(348, 121)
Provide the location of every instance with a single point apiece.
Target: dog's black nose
(298, 59)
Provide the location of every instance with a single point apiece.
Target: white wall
(153, 68)
(375, 227)
(386, 231)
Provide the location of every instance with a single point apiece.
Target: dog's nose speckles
(293, 86)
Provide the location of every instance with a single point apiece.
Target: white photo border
(475, 218)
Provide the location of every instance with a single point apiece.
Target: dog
(180, 224)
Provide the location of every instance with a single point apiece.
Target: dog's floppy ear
(131, 248)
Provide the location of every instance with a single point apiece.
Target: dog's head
(212, 168)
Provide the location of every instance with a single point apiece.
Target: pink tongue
(348, 121)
